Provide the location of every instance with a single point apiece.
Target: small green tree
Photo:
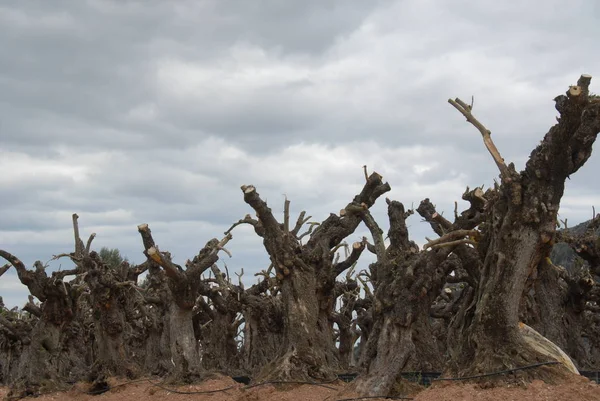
(111, 256)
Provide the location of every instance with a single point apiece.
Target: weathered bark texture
(306, 275)
(185, 287)
(47, 358)
(262, 309)
(107, 297)
(562, 303)
(347, 334)
(406, 283)
(157, 347)
(517, 237)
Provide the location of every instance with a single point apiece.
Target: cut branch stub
(252, 198)
(475, 197)
(584, 81)
(286, 216)
(170, 269)
(146, 235)
(79, 247)
(357, 249)
(575, 91)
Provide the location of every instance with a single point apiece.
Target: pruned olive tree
(185, 286)
(517, 235)
(306, 276)
(407, 282)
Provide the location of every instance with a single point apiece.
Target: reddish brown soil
(579, 389)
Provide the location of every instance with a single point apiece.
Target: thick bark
(48, 357)
(518, 235)
(107, 297)
(185, 287)
(15, 338)
(406, 285)
(348, 293)
(259, 309)
(306, 275)
(560, 303)
(263, 332)
(553, 306)
(219, 345)
(157, 359)
(308, 349)
(185, 351)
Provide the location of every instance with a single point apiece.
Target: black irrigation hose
(159, 385)
(97, 392)
(375, 397)
(297, 382)
(501, 372)
(243, 388)
(322, 384)
(190, 392)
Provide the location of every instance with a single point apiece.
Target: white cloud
(25, 167)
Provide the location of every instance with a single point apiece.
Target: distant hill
(562, 254)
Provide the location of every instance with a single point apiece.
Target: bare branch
(311, 226)
(286, 215)
(366, 288)
(376, 233)
(223, 284)
(88, 246)
(465, 110)
(448, 239)
(370, 247)
(300, 222)
(453, 243)
(221, 245)
(79, 247)
(246, 220)
(240, 274)
(4, 268)
(338, 246)
(14, 261)
(357, 249)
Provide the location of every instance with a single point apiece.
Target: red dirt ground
(578, 389)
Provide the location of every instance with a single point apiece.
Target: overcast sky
(130, 112)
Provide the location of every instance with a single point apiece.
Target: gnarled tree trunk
(406, 283)
(518, 234)
(185, 286)
(47, 358)
(306, 277)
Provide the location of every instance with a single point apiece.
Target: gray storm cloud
(131, 112)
